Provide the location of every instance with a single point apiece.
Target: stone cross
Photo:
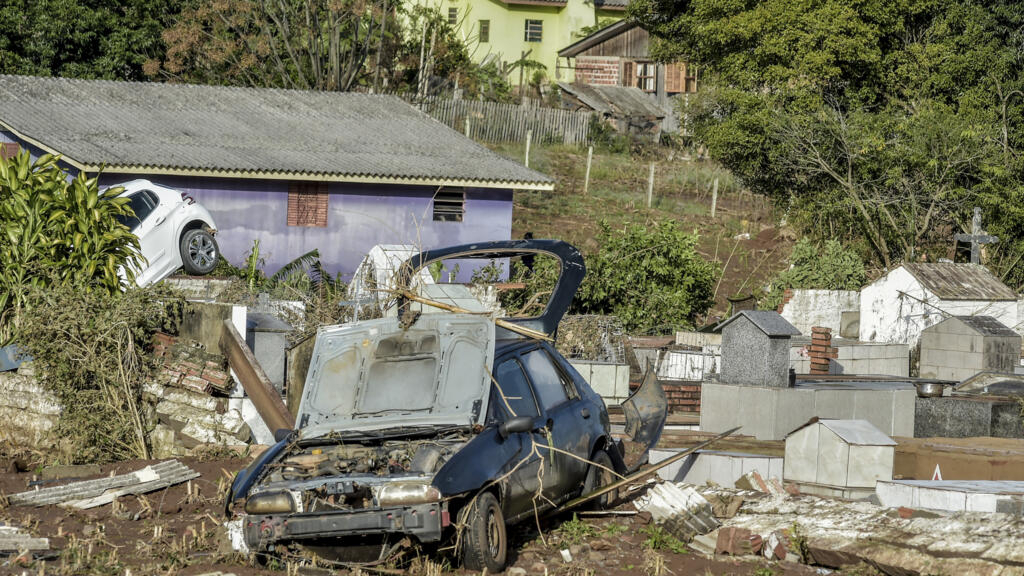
(976, 238)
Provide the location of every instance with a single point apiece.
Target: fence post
(586, 179)
(650, 186)
(529, 136)
(467, 125)
(714, 197)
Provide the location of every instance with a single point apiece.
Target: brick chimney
(821, 349)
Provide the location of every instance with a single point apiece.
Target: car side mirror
(281, 434)
(515, 425)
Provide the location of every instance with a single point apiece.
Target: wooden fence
(496, 122)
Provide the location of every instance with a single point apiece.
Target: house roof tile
(248, 132)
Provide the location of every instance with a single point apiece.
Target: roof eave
(321, 177)
(609, 31)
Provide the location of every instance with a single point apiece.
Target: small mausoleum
(843, 458)
(755, 349)
(959, 347)
(900, 305)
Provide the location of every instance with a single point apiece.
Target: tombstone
(755, 349)
(959, 347)
(843, 458)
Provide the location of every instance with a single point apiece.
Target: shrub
(651, 277)
(57, 231)
(89, 349)
(831, 267)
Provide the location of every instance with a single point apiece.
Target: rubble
(91, 493)
(678, 508)
(835, 533)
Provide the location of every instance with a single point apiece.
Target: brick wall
(600, 70)
(682, 397)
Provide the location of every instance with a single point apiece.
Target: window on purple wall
(449, 204)
(307, 204)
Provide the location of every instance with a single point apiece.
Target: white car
(174, 231)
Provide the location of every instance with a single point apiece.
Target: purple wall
(359, 217)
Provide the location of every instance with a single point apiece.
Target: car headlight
(407, 493)
(270, 503)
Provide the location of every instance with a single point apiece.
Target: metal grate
(449, 205)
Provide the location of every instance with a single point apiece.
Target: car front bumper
(424, 521)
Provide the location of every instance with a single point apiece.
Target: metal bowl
(929, 389)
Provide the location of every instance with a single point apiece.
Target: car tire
(485, 541)
(199, 252)
(598, 477)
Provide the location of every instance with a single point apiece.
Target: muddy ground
(179, 530)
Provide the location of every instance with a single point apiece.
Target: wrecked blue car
(431, 428)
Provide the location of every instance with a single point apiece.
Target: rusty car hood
(375, 375)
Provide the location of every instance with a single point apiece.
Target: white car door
(155, 235)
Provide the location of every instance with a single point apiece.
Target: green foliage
(651, 277)
(576, 531)
(82, 39)
(56, 231)
(660, 539)
(828, 267)
(875, 123)
(614, 529)
(98, 368)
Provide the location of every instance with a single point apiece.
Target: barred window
(534, 30)
(449, 205)
(453, 16)
(485, 30)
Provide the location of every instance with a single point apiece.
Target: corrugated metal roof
(248, 132)
(627, 101)
(951, 281)
(856, 432)
(987, 326)
(768, 321)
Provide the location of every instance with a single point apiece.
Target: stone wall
(28, 411)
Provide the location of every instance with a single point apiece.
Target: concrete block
(833, 404)
(793, 408)
(875, 406)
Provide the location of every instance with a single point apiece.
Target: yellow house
(508, 30)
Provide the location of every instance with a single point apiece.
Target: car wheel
(198, 252)
(485, 543)
(597, 477)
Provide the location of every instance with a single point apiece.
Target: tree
(57, 231)
(82, 38)
(877, 122)
(652, 278)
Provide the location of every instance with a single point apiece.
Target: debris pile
(14, 540)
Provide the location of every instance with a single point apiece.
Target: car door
(564, 417)
(156, 237)
(513, 398)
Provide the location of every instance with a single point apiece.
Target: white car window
(142, 203)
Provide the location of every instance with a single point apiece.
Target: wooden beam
(257, 386)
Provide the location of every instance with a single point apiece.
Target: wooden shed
(843, 458)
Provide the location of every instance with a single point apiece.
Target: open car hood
(374, 375)
(572, 271)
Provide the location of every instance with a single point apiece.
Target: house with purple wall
(296, 170)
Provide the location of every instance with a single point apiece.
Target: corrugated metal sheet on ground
(680, 509)
(91, 493)
(13, 539)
